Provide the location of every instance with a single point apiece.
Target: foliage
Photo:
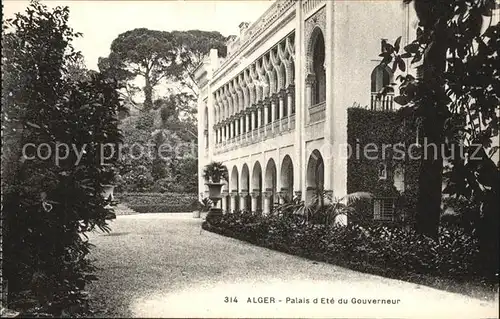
(158, 57)
(395, 249)
(192, 47)
(147, 166)
(456, 100)
(379, 128)
(159, 202)
(48, 205)
(323, 207)
(186, 169)
(215, 171)
(145, 53)
(205, 204)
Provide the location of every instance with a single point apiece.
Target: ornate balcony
(269, 129)
(280, 126)
(291, 123)
(276, 125)
(284, 124)
(317, 112)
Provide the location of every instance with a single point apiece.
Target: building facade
(275, 110)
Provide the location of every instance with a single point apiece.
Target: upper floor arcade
(278, 66)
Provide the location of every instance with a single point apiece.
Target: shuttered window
(383, 209)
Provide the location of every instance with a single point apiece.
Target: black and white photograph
(250, 159)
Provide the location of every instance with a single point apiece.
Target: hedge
(392, 252)
(381, 128)
(159, 202)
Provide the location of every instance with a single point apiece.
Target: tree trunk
(434, 112)
(148, 94)
(430, 180)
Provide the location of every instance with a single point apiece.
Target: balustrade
(276, 125)
(317, 112)
(382, 102)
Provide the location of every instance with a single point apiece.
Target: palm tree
(322, 206)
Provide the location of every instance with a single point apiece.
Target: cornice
(256, 39)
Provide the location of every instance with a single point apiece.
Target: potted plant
(214, 173)
(203, 206)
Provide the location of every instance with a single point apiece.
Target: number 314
(230, 299)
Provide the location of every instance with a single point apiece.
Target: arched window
(319, 89)
(381, 77)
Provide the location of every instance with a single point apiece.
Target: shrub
(159, 202)
(391, 249)
(49, 205)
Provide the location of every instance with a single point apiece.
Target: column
(237, 127)
(281, 106)
(242, 124)
(289, 103)
(248, 123)
(266, 206)
(259, 118)
(300, 154)
(233, 202)
(243, 201)
(224, 203)
(267, 106)
(310, 79)
(266, 113)
(273, 110)
(253, 123)
(255, 198)
(231, 125)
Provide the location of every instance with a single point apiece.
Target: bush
(159, 202)
(388, 248)
(47, 204)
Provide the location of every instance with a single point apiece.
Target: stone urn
(214, 173)
(214, 193)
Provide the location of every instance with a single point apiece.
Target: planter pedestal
(214, 190)
(214, 213)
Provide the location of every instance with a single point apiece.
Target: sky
(102, 21)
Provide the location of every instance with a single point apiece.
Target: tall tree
(157, 56)
(143, 53)
(457, 99)
(50, 201)
(192, 47)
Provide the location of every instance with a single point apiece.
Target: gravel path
(162, 265)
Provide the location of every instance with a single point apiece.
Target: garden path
(162, 265)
